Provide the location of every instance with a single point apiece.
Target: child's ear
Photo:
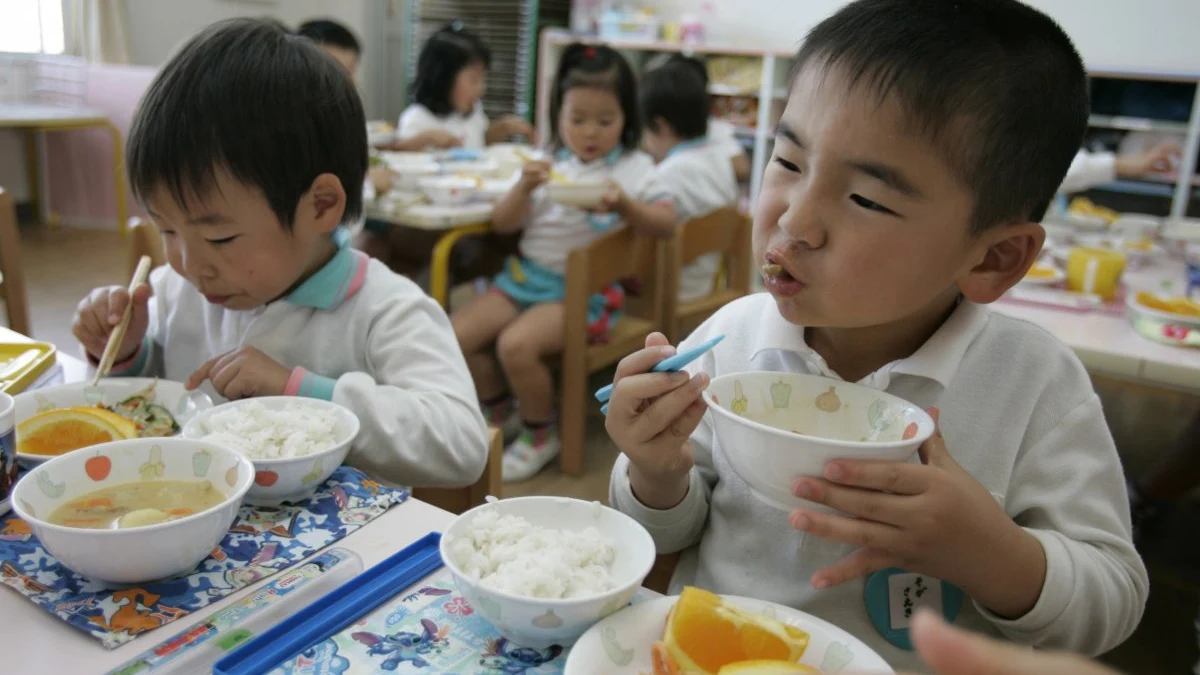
(1002, 256)
(325, 202)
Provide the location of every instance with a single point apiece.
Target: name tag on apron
(893, 597)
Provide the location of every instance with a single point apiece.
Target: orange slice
(704, 634)
(1040, 272)
(763, 667)
(62, 430)
(1181, 306)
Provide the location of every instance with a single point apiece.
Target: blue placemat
(262, 541)
(428, 628)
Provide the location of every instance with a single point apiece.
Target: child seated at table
(695, 171)
(921, 143)
(506, 332)
(447, 108)
(720, 132)
(231, 154)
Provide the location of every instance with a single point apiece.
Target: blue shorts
(526, 283)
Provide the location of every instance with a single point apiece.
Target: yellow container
(1095, 270)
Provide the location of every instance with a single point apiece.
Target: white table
(35, 642)
(1109, 344)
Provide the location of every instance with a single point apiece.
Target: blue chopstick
(670, 364)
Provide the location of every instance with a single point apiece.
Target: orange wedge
(1040, 272)
(1181, 306)
(704, 634)
(62, 430)
(762, 667)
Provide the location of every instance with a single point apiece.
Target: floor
(63, 265)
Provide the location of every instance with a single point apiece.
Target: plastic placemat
(261, 542)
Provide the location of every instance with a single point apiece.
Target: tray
(336, 610)
(21, 363)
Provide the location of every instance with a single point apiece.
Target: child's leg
(477, 326)
(522, 346)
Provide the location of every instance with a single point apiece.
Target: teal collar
(687, 145)
(610, 159)
(338, 280)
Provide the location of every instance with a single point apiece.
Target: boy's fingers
(668, 408)
(645, 386)
(642, 361)
(686, 423)
(117, 301)
(141, 294)
(656, 339)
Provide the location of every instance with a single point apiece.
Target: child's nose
(803, 221)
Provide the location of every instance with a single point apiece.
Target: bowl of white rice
(543, 570)
(295, 443)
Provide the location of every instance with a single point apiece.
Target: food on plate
(766, 667)
(1041, 272)
(258, 432)
(510, 554)
(1141, 245)
(62, 430)
(137, 504)
(707, 636)
(152, 420)
(1177, 305)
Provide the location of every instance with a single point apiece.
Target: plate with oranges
(1043, 274)
(706, 634)
(57, 420)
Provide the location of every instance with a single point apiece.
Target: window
(31, 26)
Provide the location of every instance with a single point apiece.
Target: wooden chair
(659, 579)
(12, 275)
(726, 231)
(459, 500)
(144, 239)
(621, 255)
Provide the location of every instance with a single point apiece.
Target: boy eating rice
(248, 151)
(921, 143)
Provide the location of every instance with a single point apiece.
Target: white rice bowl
(294, 443)
(543, 570)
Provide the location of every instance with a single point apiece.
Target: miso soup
(137, 504)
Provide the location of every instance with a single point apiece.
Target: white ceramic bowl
(581, 195)
(756, 416)
(1178, 232)
(136, 555)
(448, 190)
(295, 478)
(539, 623)
(1137, 225)
(183, 404)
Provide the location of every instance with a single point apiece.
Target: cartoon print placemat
(428, 629)
(262, 541)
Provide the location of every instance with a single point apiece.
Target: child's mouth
(778, 280)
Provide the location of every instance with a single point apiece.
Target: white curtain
(97, 30)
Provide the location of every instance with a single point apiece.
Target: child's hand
(511, 125)
(242, 373)
(614, 200)
(533, 174)
(440, 138)
(1158, 159)
(100, 312)
(932, 518)
(650, 418)
(381, 178)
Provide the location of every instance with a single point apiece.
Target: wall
(1154, 35)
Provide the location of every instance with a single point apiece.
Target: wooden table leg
(439, 272)
(33, 172)
(119, 178)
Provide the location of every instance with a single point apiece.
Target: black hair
(675, 94)
(329, 32)
(249, 97)
(995, 85)
(597, 66)
(444, 55)
(694, 64)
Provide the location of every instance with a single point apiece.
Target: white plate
(182, 403)
(620, 644)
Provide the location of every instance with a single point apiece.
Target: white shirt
(1018, 412)
(698, 176)
(470, 129)
(356, 334)
(1089, 169)
(553, 230)
(724, 135)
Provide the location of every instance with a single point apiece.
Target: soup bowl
(138, 554)
(775, 427)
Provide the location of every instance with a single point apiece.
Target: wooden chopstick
(554, 175)
(118, 335)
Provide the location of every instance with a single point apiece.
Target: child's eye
(870, 205)
(220, 242)
(787, 165)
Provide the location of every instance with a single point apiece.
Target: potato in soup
(137, 504)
